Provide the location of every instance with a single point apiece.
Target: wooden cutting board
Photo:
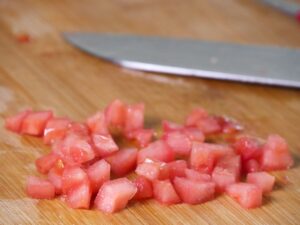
(47, 73)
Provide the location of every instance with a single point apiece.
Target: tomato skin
(114, 195)
(263, 180)
(247, 195)
(55, 129)
(46, 162)
(275, 154)
(39, 188)
(79, 196)
(194, 192)
(157, 150)
(98, 173)
(144, 188)
(164, 192)
(14, 123)
(122, 162)
(35, 122)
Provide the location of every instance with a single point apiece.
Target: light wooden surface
(47, 73)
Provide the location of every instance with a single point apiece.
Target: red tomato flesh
(157, 150)
(142, 136)
(79, 196)
(39, 188)
(194, 192)
(14, 123)
(153, 170)
(114, 195)
(247, 195)
(144, 188)
(196, 115)
(123, 161)
(164, 192)
(55, 176)
(73, 176)
(97, 124)
(115, 114)
(263, 180)
(35, 122)
(46, 162)
(169, 126)
(98, 173)
(179, 143)
(177, 168)
(134, 117)
(104, 145)
(55, 129)
(197, 176)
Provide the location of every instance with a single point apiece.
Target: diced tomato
(73, 176)
(98, 173)
(263, 180)
(276, 155)
(35, 122)
(115, 114)
(192, 191)
(55, 176)
(142, 136)
(209, 125)
(194, 134)
(123, 161)
(250, 166)
(169, 126)
(164, 192)
(144, 188)
(247, 195)
(14, 123)
(178, 142)
(177, 168)
(196, 115)
(55, 129)
(97, 124)
(197, 176)
(39, 188)
(46, 162)
(75, 149)
(104, 144)
(204, 156)
(114, 195)
(79, 196)
(153, 170)
(78, 129)
(227, 171)
(157, 150)
(248, 148)
(229, 126)
(134, 117)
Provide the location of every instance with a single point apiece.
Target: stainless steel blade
(254, 64)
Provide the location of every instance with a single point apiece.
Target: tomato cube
(196, 115)
(97, 124)
(226, 172)
(209, 125)
(104, 145)
(55, 129)
(194, 134)
(79, 196)
(35, 122)
(164, 192)
(177, 168)
(276, 155)
(98, 173)
(178, 142)
(251, 165)
(247, 195)
(263, 180)
(194, 192)
(55, 176)
(123, 161)
(197, 176)
(114, 195)
(46, 162)
(153, 170)
(204, 156)
(248, 148)
(14, 123)
(157, 150)
(115, 114)
(73, 176)
(168, 126)
(39, 188)
(144, 188)
(134, 117)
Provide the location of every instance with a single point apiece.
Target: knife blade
(187, 57)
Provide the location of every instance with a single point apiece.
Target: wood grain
(47, 73)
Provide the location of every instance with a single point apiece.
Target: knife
(206, 59)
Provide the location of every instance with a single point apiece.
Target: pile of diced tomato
(186, 164)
